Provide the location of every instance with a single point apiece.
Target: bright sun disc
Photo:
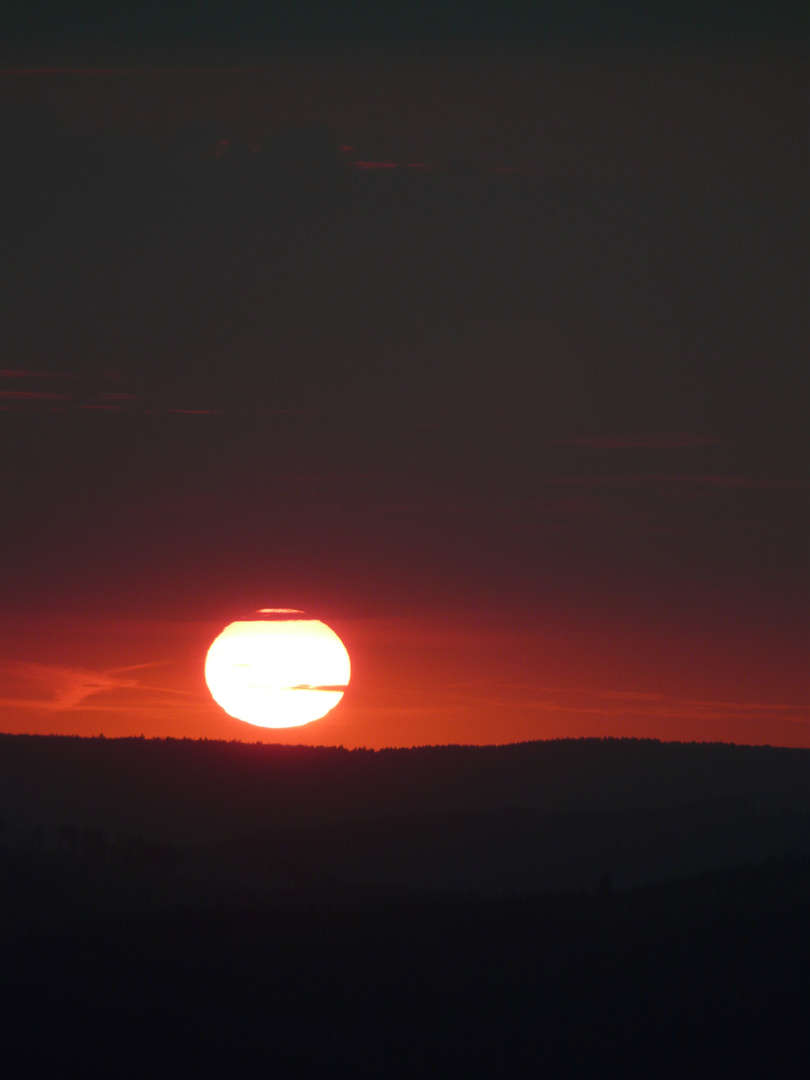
(277, 669)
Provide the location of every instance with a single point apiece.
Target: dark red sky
(526, 424)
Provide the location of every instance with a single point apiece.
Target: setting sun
(277, 669)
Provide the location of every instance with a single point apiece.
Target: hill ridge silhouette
(187, 791)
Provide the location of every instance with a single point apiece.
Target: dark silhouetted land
(598, 907)
(530, 818)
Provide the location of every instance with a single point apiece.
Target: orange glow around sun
(427, 679)
(277, 670)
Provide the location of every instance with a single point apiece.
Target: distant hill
(528, 818)
(192, 791)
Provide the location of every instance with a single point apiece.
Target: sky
(483, 340)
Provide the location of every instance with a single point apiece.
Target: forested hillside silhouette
(103, 824)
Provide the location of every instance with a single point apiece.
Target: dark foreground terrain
(704, 977)
(596, 908)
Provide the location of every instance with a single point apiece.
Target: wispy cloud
(572, 701)
(348, 154)
(61, 688)
(32, 395)
(649, 500)
(24, 373)
(677, 480)
(27, 390)
(651, 441)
